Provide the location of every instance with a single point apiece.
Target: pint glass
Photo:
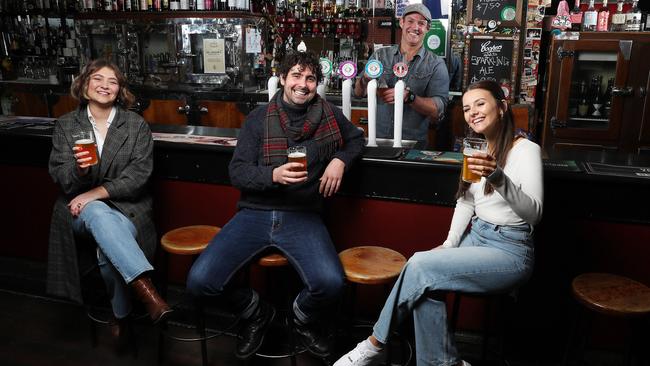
(298, 154)
(472, 145)
(86, 141)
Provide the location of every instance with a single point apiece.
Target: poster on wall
(439, 9)
(505, 13)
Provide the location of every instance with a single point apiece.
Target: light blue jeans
(119, 257)
(490, 259)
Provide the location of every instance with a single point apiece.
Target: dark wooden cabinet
(596, 96)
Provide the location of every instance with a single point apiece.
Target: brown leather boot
(155, 305)
(120, 329)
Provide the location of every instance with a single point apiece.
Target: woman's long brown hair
(79, 87)
(505, 132)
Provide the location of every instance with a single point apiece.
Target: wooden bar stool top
(273, 260)
(612, 294)
(188, 240)
(371, 265)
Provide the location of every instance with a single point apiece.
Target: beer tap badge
(348, 69)
(374, 69)
(325, 66)
(400, 69)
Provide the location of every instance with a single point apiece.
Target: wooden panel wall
(221, 114)
(165, 112)
(30, 104)
(63, 105)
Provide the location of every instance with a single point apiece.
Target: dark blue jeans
(300, 236)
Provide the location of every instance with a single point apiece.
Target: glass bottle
(590, 18)
(596, 97)
(583, 105)
(603, 18)
(575, 15)
(633, 18)
(617, 23)
(607, 98)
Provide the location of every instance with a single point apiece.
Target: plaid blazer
(124, 169)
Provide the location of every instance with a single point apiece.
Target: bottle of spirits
(575, 15)
(633, 18)
(583, 105)
(617, 23)
(607, 98)
(597, 101)
(590, 18)
(603, 18)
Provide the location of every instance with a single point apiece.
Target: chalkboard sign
(493, 13)
(491, 58)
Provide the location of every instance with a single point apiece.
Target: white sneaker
(361, 355)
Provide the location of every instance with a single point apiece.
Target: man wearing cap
(427, 81)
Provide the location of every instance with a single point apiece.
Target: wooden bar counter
(592, 221)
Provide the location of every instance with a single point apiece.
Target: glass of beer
(86, 141)
(298, 154)
(472, 145)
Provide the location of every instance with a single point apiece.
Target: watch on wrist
(410, 99)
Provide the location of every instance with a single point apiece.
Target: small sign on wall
(214, 56)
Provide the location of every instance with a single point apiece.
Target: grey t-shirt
(427, 77)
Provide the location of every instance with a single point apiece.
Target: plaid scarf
(319, 125)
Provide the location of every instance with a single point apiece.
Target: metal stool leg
(200, 327)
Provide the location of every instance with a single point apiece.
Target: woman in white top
(494, 255)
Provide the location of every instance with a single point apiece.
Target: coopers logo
(488, 47)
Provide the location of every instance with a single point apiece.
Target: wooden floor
(37, 330)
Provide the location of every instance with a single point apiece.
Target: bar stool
(610, 295)
(287, 346)
(374, 265)
(188, 240)
(98, 309)
(95, 297)
(498, 300)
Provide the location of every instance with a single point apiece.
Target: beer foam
(468, 151)
(84, 142)
(297, 155)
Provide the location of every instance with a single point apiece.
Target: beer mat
(561, 165)
(434, 156)
(618, 170)
(382, 152)
(194, 139)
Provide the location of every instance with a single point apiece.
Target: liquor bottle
(607, 98)
(583, 105)
(603, 18)
(590, 18)
(597, 101)
(633, 18)
(575, 15)
(617, 23)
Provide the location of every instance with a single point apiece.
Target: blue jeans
(300, 236)
(119, 257)
(490, 259)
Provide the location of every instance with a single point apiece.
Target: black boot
(314, 337)
(253, 329)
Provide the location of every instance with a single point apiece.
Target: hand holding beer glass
(298, 154)
(472, 145)
(85, 148)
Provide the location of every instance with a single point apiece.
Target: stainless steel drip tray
(408, 144)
